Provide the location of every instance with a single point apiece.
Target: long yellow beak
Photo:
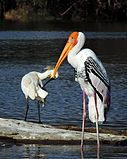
(69, 45)
(63, 55)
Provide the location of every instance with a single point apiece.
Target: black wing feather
(97, 79)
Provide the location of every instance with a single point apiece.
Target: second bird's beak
(69, 45)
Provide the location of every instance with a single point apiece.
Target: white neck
(72, 55)
(45, 74)
(72, 59)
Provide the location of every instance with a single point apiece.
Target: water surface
(24, 51)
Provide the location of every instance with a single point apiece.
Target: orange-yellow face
(72, 41)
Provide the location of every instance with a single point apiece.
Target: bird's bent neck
(44, 74)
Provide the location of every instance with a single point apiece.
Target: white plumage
(32, 87)
(82, 78)
(92, 77)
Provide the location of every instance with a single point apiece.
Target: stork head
(74, 38)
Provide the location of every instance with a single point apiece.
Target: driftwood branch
(28, 132)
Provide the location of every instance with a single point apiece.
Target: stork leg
(39, 116)
(27, 108)
(97, 128)
(98, 143)
(84, 118)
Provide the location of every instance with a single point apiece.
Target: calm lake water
(23, 51)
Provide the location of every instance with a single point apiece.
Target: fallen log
(20, 131)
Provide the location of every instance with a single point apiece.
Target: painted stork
(32, 87)
(92, 77)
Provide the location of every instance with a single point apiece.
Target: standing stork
(32, 87)
(92, 77)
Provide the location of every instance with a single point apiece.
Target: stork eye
(71, 40)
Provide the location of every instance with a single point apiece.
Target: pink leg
(84, 118)
(95, 99)
(97, 129)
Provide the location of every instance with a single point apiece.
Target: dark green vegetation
(75, 10)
